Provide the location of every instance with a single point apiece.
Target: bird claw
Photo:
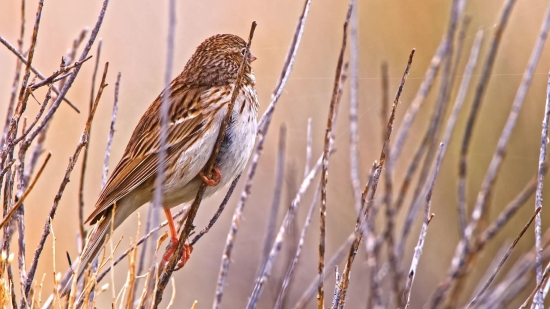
(214, 180)
(186, 254)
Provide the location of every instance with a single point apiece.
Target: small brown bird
(199, 98)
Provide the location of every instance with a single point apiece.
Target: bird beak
(251, 57)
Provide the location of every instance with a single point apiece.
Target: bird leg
(214, 180)
(187, 249)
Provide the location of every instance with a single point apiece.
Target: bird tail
(98, 235)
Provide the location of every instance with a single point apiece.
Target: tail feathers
(95, 243)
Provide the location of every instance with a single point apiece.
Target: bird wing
(141, 157)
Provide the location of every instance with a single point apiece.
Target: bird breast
(235, 150)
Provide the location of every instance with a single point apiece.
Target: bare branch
(164, 278)
(263, 127)
(504, 258)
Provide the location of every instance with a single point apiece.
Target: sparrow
(198, 102)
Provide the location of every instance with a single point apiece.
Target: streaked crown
(216, 61)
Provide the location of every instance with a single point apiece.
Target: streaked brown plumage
(199, 97)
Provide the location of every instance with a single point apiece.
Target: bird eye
(243, 51)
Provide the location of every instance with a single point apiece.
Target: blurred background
(134, 42)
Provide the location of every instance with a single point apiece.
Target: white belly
(232, 158)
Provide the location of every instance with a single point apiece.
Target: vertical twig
(334, 260)
(369, 192)
(263, 127)
(419, 98)
(480, 91)
(458, 262)
(353, 106)
(292, 266)
(165, 105)
(504, 258)
(265, 272)
(163, 280)
(64, 182)
(498, 156)
(15, 83)
(279, 176)
(309, 147)
(111, 134)
(436, 119)
(81, 228)
(428, 216)
(457, 107)
(69, 81)
(326, 150)
(163, 135)
(538, 300)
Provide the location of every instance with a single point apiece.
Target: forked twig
(72, 161)
(34, 70)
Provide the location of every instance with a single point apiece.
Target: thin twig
(353, 106)
(434, 126)
(263, 127)
(428, 216)
(263, 124)
(389, 233)
(72, 161)
(480, 91)
(162, 282)
(309, 293)
(369, 192)
(288, 276)
(213, 220)
(111, 133)
(419, 98)
(324, 176)
(497, 256)
(538, 300)
(143, 239)
(337, 283)
(459, 102)
(462, 248)
(35, 71)
(504, 258)
(507, 213)
(81, 228)
(15, 207)
(340, 294)
(164, 278)
(268, 266)
(279, 176)
(59, 74)
(15, 83)
(537, 289)
(69, 82)
(309, 146)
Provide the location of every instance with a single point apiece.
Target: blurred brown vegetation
(133, 37)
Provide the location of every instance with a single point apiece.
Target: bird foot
(214, 180)
(186, 254)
